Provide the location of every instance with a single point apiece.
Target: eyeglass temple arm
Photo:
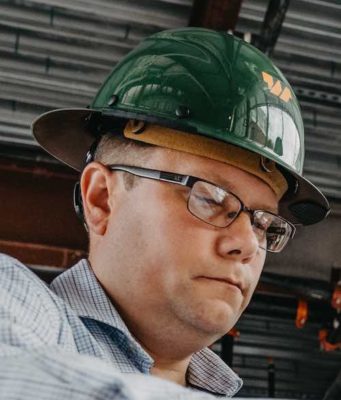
(152, 174)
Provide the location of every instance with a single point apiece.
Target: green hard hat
(203, 82)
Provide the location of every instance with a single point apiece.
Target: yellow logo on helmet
(276, 88)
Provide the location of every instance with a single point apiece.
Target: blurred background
(55, 53)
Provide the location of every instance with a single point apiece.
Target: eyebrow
(226, 184)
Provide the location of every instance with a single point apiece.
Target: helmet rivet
(113, 99)
(138, 126)
(182, 112)
(267, 164)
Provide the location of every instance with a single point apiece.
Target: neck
(171, 347)
(170, 370)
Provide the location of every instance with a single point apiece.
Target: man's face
(160, 261)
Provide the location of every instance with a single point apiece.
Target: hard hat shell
(204, 82)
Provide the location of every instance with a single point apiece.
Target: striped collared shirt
(75, 316)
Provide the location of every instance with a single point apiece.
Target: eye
(232, 214)
(263, 221)
(260, 226)
(207, 200)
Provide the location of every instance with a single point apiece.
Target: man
(191, 157)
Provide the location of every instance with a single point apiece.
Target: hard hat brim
(66, 135)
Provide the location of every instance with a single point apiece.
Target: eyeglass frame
(189, 181)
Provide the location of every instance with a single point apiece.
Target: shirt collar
(79, 287)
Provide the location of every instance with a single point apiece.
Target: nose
(238, 241)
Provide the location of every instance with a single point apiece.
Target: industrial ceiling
(55, 53)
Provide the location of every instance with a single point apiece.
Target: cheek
(176, 244)
(149, 234)
(160, 239)
(171, 222)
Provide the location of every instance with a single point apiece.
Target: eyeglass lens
(220, 208)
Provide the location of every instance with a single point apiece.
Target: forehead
(254, 192)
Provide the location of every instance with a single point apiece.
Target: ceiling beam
(272, 25)
(215, 14)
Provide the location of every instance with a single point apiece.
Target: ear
(96, 182)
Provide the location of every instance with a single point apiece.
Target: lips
(229, 281)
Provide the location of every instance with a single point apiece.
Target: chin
(214, 318)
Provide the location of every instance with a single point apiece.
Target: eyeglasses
(219, 207)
